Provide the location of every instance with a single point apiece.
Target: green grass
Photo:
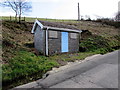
(98, 43)
(32, 19)
(0, 73)
(94, 42)
(71, 57)
(25, 64)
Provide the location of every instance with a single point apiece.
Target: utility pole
(78, 12)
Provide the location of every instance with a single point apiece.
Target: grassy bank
(26, 66)
(99, 44)
(21, 64)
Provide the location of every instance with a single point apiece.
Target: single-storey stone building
(54, 38)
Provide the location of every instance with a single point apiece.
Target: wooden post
(78, 12)
(15, 18)
(24, 18)
(10, 18)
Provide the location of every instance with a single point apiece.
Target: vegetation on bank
(26, 66)
(99, 44)
(22, 65)
(107, 21)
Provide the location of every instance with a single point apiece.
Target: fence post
(10, 18)
(24, 18)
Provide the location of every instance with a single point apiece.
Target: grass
(30, 19)
(99, 44)
(26, 65)
(94, 42)
(109, 22)
(21, 65)
(71, 57)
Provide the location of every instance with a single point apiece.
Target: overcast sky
(67, 9)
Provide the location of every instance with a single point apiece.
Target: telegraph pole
(78, 12)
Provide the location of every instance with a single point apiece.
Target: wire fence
(11, 18)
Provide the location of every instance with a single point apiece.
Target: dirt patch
(62, 63)
(14, 36)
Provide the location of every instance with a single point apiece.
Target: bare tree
(18, 6)
(12, 4)
(23, 7)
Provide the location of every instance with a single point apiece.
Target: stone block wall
(54, 44)
(39, 40)
(73, 43)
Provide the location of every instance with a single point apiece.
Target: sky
(68, 9)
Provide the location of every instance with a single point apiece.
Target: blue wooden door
(64, 42)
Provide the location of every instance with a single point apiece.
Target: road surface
(97, 72)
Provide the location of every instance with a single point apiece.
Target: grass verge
(26, 66)
(23, 66)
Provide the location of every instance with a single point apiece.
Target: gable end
(36, 23)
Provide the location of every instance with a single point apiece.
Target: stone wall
(73, 43)
(39, 40)
(54, 44)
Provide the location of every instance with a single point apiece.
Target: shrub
(93, 43)
(104, 50)
(107, 21)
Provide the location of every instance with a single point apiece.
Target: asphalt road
(102, 74)
(96, 72)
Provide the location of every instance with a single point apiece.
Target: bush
(93, 43)
(98, 45)
(89, 19)
(107, 21)
(104, 50)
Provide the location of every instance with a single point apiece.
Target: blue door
(64, 42)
